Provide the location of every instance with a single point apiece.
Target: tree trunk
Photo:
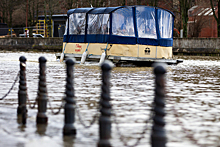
(218, 22)
(216, 18)
(30, 19)
(10, 11)
(45, 18)
(184, 6)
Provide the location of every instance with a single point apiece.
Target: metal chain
(190, 136)
(122, 138)
(29, 103)
(16, 79)
(52, 109)
(93, 119)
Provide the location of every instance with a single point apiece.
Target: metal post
(105, 118)
(42, 93)
(158, 134)
(22, 92)
(69, 108)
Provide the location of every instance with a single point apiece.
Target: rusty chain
(29, 103)
(122, 138)
(16, 79)
(190, 136)
(59, 109)
(94, 118)
(52, 109)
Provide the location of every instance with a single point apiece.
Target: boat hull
(141, 55)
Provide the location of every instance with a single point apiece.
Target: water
(192, 103)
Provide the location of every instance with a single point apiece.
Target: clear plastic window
(122, 22)
(146, 24)
(65, 33)
(98, 24)
(77, 23)
(165, 24)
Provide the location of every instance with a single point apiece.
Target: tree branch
(213, 10)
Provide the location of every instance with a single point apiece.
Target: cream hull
(119, 52)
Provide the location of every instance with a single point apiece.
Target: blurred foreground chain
(122, 138)
(94, 118)
(52, 109)
(29, 103)
(16, 79)
(189, 135)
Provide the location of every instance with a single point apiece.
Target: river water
(192, 103)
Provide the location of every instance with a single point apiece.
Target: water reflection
(20, 145)
(192, 104)
(21, 127)
(68, 141)
(41, 129)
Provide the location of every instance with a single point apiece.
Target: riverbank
(181, 46)
(32, 44)
(196, 46)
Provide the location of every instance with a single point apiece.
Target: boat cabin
(124, 34)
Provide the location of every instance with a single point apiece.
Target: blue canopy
(78, 10)
(120, 25)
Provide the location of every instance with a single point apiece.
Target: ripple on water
(192, 103)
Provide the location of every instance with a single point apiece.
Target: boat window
(165, 24)
(98, 24)
(77, 23)
(122, 22)
(146, 24)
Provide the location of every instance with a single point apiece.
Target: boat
(140, 35)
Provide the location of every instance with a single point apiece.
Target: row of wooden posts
(158, 135)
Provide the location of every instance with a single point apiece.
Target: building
(3, 29)
(57, 27)
(201, 22)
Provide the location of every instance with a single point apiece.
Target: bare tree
(216, 2)
(198, 23)
(184, 7)
(33, 11)
(69, 4)
(50, 6)
(154, 3)
(3, 5)
(7, 9)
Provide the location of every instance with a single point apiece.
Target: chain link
(94, 118)
(122, 138)
(29, 103)
(16, 79)
(52, 109)
(190, 136)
